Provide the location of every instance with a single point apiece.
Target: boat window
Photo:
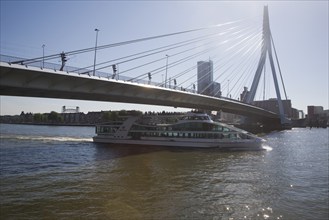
(196, 117)
(233, 136)
(217, 127)
(245, 136)
(161, 128)
(106, 129)
(196, 126)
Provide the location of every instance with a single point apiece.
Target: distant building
(205, 77)
(273, 106)
(244, 94)
(70, 109)
(295, 113)
(314, 110)
(216, 90)
(206, 85)
(73, 118)
(317, 117)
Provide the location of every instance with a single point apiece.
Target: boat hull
(191, 143)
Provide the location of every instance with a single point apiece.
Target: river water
(54, 172)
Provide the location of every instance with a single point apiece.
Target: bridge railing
(79, 71)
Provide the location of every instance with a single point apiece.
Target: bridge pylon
(266, 49)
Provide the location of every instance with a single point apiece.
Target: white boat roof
(200, 116)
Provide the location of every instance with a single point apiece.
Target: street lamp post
(166, 71)
(228, 88)
(95, 50)
(43, 56)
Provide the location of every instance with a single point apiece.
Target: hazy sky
(299, 28)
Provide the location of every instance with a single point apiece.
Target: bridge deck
(19, 80)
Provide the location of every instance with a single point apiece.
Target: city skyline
(301, 39)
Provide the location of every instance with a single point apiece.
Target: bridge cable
(245, 61)
(136, 67)
(123, 43)
(239, 36)
(277, 60)
(180, 44)
(233, 55)
(206, 36)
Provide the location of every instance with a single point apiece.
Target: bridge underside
(18, 80)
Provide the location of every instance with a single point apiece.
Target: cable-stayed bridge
(159, 70)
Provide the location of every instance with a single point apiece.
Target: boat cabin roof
(192, 116)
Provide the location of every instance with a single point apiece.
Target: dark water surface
(59, 173)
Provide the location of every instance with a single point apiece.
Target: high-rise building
(216, 90)
(205, 77)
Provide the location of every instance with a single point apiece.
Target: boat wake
(44, 138)
(267, 148)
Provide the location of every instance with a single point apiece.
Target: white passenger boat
(195, 129)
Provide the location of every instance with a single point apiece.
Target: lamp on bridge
(63, 59)
(166, 71)
(95, 50)
(150, 77)
(114, 67)
(43, 56)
